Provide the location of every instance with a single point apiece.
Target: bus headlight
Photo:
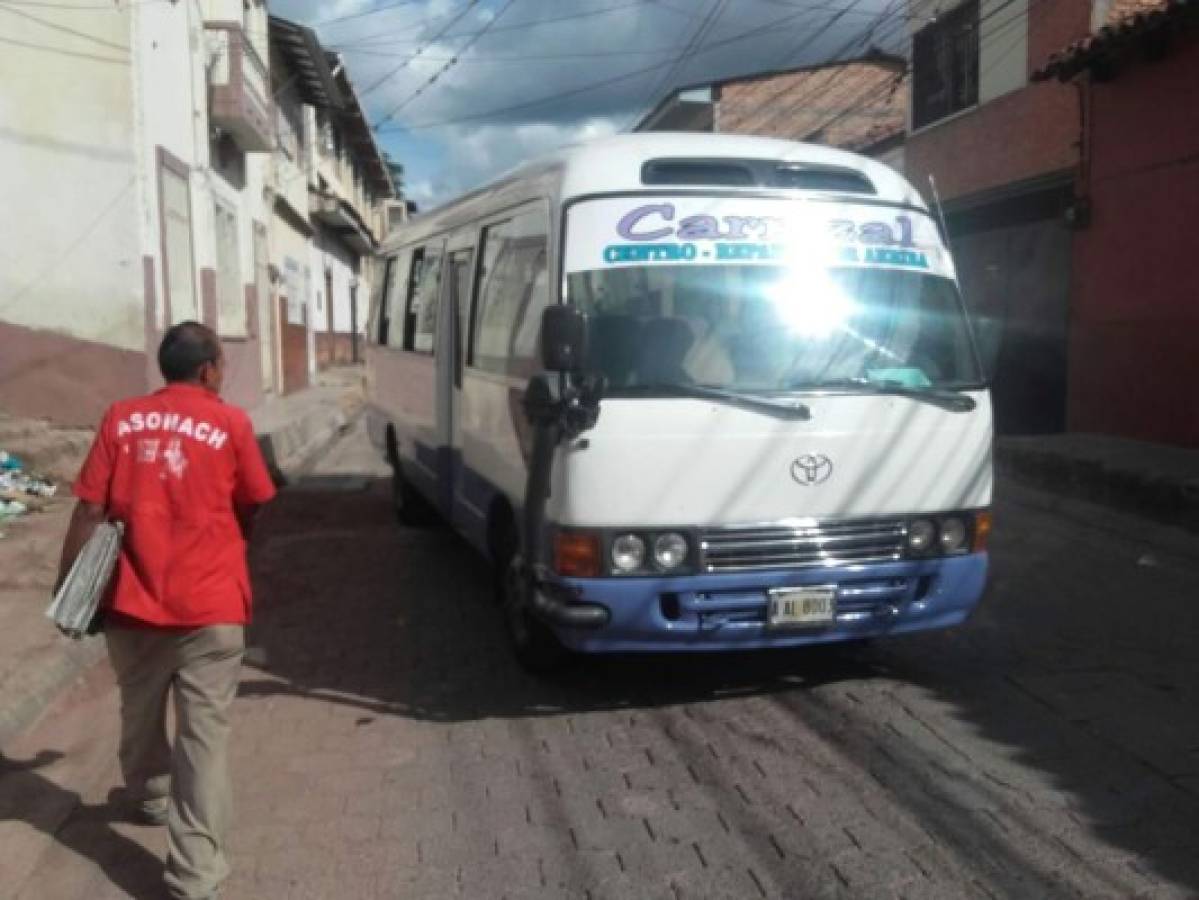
(921, 534)
(953, 535)
(628, 553)
(670, 550)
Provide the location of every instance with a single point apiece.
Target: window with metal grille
(945, 65)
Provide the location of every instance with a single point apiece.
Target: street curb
(44, 683)
(1168, 499)
(289, 450)
(1157, 538)
(304, 465)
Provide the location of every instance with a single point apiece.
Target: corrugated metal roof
(1134, 25)
(300, 46)
(314, 69)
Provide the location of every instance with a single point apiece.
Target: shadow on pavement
(355, 610)
(26, 796)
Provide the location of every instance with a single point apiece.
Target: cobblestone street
(386, 745)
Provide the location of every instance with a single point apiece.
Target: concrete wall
(1134, 368)
(330, 255)
(72, 311)
(171, 101)
(173, 56)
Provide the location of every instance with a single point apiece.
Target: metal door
(455, 308)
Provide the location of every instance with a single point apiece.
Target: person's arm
(246, 514)
(254, 486)
(84, 521)
(91, 487)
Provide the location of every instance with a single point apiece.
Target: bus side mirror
(563, 338)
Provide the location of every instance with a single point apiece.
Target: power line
(792, 17)
(826, 7)
(444, 68)
(854, 40)
(605, 82)
(893, 26)
(701, 31)
(490, 57)
(836, 17)
(419, 28)
(887, 32)
(471, 4)
(364, 13)
(62, 29)
(111, 6)
(374, 40)
(856, 106)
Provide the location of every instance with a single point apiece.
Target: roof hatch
(767, 173)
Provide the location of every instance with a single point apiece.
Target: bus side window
(420, 326)
(380, 314)
(391, 326)
(515, 290)
(525, 361)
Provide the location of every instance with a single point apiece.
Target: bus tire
(503, 547)
(534, 643)
(410, 507)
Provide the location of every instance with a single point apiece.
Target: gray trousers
(197, 669)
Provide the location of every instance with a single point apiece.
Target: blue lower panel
(728, 611)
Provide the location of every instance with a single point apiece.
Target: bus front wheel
(534, 644)
(410, 507)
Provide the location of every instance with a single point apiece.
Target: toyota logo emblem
(811, 468)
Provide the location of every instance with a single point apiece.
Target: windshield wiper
(789, 408)
(952, 400)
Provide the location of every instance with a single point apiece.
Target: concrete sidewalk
(36, 663)
(294, 429)
(1154, 480)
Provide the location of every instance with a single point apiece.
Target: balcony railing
(340, 216)
(239, 88)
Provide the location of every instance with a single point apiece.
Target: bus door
(459, 265)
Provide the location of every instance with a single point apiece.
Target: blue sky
(463, 90)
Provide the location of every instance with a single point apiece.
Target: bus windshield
(773, 329)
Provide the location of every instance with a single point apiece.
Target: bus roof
(613, 165)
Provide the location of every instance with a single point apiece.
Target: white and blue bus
(794, 435)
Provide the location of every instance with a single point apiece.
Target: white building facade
(331, 188)
(145, 183)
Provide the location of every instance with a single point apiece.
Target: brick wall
(1021, 135)
(851, 105)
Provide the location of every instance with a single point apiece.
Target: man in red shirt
(184, 473)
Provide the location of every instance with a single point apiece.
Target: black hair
(185, 348)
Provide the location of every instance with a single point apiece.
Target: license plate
(802, 606)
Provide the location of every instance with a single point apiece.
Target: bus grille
(801, 546)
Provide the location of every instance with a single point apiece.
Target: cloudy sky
(461, 90)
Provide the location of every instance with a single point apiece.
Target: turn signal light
(982, 530)
(577, 554)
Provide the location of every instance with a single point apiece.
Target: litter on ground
(21, 491)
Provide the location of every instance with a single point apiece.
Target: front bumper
(728, 611)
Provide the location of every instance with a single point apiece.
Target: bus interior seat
(612, 349)
(660, 352)
(756, 354)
